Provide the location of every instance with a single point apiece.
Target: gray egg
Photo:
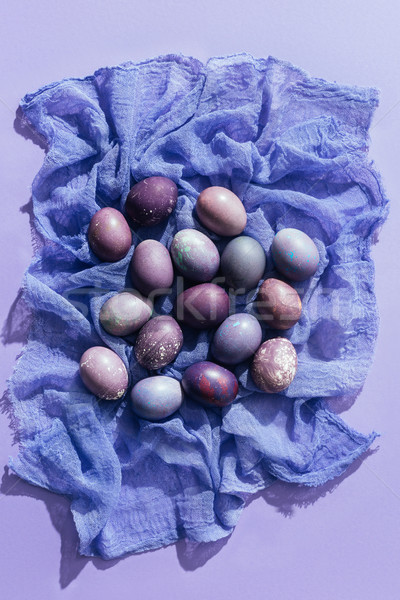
(243, 263)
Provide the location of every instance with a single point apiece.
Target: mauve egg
(278, 304)
(151, 200)
(103, 373)
(243, 263)
(158, 342)
(109, 235)
(236, 339)
(125, 313)
(221, 210)
(194, 255)
(295, 254)
(202, 306)
(151, 268)
(274, 365)
(156, 398)
(210, 384)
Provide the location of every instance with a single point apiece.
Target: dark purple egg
(295, 254)
(125, 313)
(236, 339)
(221, 210)
(151, 268)
(195, 255)
(103, 373)
(274, 365)
(278, 304)
(243, 263)
(109, 235)
(158, 342)
(202, 306)
(210, 384)
(156, 398)
(151, 200)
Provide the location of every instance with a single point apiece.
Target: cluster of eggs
(203, 305)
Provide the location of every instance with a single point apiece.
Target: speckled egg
(156, 398)
(158, 342)
(278, 304)
(202, 306)
(195, 255)
(274, 365)
(125, 313)
(151, 200)
(210, 384)
(295, 254)
(151, 268)
(221, 211)
(103, 373)
(236, 339)
(243, 263)
(109, 234)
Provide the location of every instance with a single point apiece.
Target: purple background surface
(340, 541)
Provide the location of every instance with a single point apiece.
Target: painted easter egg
(151, 268)
(221, 211)
(109, 234)
(274, 365)
(156, 398)
(195, 255)
(243, 263)
(158, 342)
(210, 384)
(202, 306)
(103, 373)
(151, 200)
(294, 254)
(278, 304)
(125, 313)
(236, 339)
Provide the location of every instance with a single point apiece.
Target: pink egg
(221, 210)
(109, 235)
(103, 373)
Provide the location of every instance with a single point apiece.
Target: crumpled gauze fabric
(294, 149)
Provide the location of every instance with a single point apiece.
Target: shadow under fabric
(294, 149)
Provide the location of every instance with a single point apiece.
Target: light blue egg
(236, 339)
(156, 398)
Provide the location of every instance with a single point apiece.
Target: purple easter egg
(221, 211)
(109, 235)
(156, 398)
(278, 304)
(274, 365)
(202, 306)
(151, 268)
(243, 263)
(125, 313)
(151, 200)
(210, 384)
(295, 254)
(195, 255)
(158, 342)
(103, 373)
(236, 339)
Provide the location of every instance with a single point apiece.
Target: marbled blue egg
(210, 384)
(236, 339)
(195, 255)
(156, 398)
(295, 254)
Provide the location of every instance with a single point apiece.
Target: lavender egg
(151, 200)
(125, 313)
(278, 304)
(158, 342)
(109, 235)
(195, 255)
(274, 365)
(221, 211)
(295, 254)
(243, 263)
(236, 339)
(156, 398)
(103, 373)
(151, 268)
(210, 384)
(202, 306)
